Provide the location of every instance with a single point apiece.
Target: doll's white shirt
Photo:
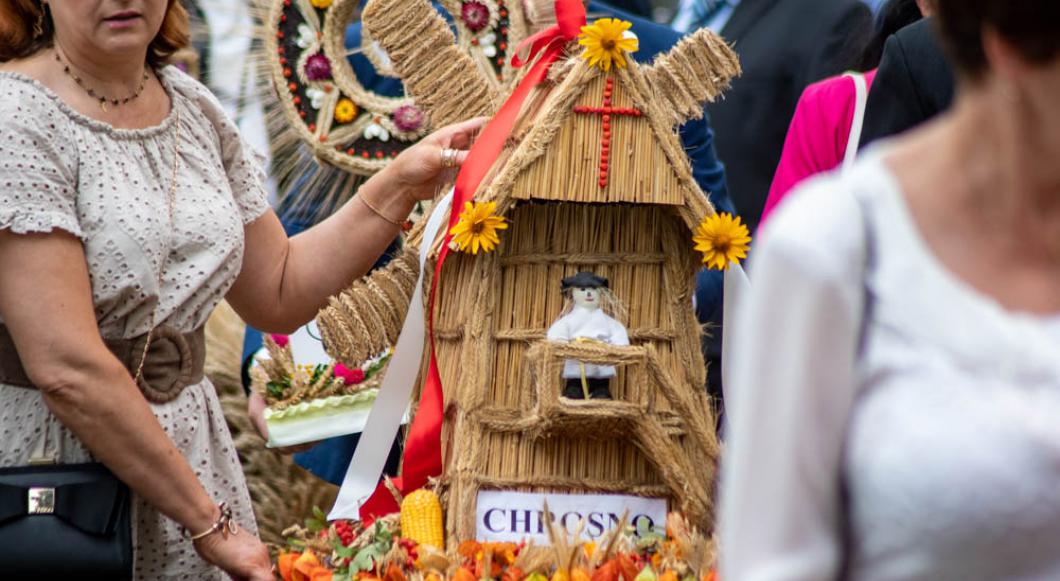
(945, 432)
(583, 323)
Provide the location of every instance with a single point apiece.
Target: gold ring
(449, 158)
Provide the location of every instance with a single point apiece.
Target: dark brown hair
(1031, 26)
(19, 17)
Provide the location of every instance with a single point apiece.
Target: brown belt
(174, 361)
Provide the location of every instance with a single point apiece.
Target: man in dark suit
(913, 84)
(784, 45)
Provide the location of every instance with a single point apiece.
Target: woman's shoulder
(33, 121)
(204, 110)
(822, 223)
(23, 99)
(197, 94)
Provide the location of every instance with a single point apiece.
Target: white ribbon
(369, 459)
(737, 286)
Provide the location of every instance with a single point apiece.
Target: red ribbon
(423, 448)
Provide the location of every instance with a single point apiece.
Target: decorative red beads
(605, 113)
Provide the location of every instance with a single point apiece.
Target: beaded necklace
(91, 93)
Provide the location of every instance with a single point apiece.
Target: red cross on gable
(606, 112)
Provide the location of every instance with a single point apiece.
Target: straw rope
(366, 318)
(340, 15)
(441, 77)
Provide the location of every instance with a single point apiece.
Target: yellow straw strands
(613, 196)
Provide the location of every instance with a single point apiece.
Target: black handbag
(68, 521)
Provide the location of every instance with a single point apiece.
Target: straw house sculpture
(627, 216)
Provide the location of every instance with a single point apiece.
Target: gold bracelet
(225, 524)
(375, 210)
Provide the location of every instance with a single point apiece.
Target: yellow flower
(723, 240)
(320, 3)
(478, 227)
(345, 111)
(605, 42)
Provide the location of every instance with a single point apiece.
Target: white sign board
(515, 516)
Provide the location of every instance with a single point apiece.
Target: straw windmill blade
(366, 318)
(443, 79)
(692, 73)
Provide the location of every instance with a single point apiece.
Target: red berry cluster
(345, 532)
(412, 549)
(606, 112)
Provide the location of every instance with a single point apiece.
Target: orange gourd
(609, 571)
(303, 566)
(393, 573)
(464, 574)
(626, 567)
(286, 565)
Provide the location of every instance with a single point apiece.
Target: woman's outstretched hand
(421, 170)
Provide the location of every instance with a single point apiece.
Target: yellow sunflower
(723, 240)
(345, 111)
(605, 42)
(478, 227)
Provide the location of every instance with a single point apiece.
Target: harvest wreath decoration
(312, 402)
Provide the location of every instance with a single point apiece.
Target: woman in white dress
(129, 202)
(895, 403)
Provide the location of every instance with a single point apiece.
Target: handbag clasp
(41, 500)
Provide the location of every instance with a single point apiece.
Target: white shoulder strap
(861, 96)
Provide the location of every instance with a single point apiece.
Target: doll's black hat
(583, 280)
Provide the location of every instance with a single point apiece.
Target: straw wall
(510, 430)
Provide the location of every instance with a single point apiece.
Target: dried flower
(318, 67)
(349, 376)
(345, 110)
(723, 240)
(475, 15)
(408, 118)
(280, 340)
(478, 227)
(606, 41)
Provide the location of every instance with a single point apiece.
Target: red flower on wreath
(475, 15)
(318, 68)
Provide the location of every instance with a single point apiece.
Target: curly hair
(20, 39)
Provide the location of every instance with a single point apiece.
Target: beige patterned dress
(107, 186)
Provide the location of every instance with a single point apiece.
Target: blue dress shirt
(687, 15)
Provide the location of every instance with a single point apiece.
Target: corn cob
(421, 519)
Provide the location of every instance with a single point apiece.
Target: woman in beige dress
(129, 202)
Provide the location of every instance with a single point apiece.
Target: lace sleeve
(38, 162)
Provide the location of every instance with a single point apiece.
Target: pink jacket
(817, 137)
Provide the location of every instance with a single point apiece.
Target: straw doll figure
(588, 316)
